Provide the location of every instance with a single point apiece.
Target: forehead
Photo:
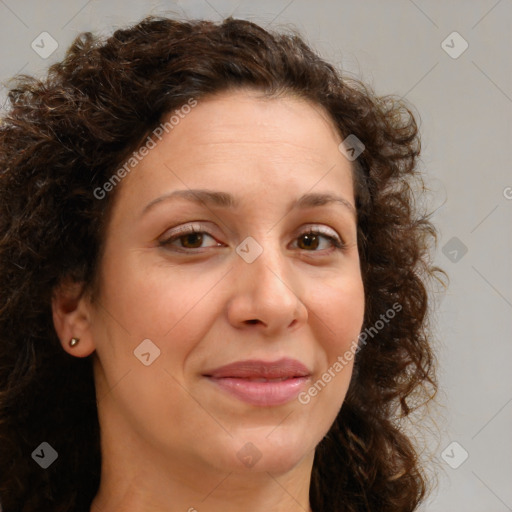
(245, 117)
(249, 142)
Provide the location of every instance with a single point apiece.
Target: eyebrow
(226, 200)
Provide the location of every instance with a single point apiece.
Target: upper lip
(257, 369)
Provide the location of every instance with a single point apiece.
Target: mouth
(261, 383)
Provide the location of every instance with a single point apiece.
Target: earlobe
(71, 319)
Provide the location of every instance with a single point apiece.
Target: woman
(213, 280)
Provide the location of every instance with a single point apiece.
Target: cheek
(168, 307)
(172, 307)
(155, 301)
(339, 314)
(339, 307)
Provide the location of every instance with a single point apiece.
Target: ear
(71, 318)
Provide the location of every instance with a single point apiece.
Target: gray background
(465, 105)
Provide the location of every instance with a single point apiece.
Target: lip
(261, 383)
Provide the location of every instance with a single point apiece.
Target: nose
(266, 295)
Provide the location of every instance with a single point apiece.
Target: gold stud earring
(73, 342)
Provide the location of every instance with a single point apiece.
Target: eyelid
(197, 227)
(329, 232)
(188, 228)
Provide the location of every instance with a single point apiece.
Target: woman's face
(208, 344)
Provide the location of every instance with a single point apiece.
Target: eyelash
(192, 230)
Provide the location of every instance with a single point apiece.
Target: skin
(170, 437)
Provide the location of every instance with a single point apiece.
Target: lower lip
(264, 394)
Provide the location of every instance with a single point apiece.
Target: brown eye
(192, 240)
(310, 241)
(188, 238)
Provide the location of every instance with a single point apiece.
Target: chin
(263, 453)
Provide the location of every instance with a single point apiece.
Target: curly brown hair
(65, 134)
